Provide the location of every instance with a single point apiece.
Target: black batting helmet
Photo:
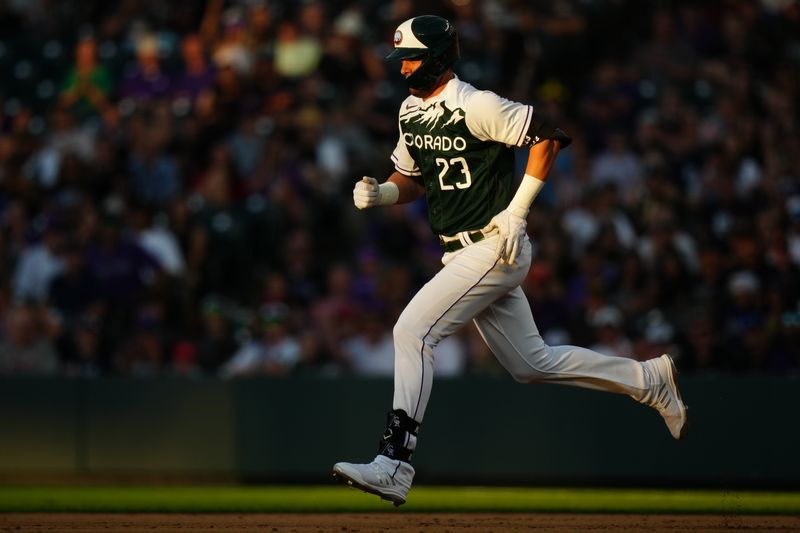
(429, 38)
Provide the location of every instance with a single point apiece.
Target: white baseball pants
(473, 286)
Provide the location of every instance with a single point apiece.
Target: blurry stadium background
(186, 288)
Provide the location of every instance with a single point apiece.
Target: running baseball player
(456, 147)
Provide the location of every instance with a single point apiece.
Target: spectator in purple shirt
(198, 74)
(145, 81)
(119, 267)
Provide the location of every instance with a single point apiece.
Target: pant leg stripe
(422, 346)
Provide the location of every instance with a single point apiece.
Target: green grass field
(219, 499)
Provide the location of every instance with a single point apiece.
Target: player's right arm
(401, 187)
(398, 189)
(408, 188)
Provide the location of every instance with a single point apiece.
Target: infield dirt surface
(391, 522)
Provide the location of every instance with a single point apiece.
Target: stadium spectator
(274, 350)
(154, 174)
(206, 152)
(88, 85)
(608, 324)
(232, 50)
(72, 290)
(27, 347)
(215, 342)
(196, 79)
(120, 268)
(65, 140)
(155, 237)
(145, 81)
(618, 164)
(39, 263)
(82, 350)
(370, 352)
(296, 54)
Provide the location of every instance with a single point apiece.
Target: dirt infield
(394, 522)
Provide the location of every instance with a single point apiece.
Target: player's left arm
(496, 119)
(545, 141)
(541, 158)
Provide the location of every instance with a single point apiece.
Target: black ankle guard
(398, 426)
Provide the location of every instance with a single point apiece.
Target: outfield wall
(743, 431)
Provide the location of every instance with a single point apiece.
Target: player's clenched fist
(511, 231)
(365, 193)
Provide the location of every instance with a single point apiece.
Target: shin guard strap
(395, 438)
(398, 419)
(394, 451)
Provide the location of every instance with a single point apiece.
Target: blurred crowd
(175, 183)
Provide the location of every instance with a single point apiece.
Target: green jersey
(459, 145)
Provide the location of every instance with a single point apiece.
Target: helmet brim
(407, 53)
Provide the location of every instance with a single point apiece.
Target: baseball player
(456, 146)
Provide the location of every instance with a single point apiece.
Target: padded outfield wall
(744, 431)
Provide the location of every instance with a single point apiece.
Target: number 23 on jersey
(463, 181)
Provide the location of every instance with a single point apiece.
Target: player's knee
(405, 331)
(409, 332)
(535, 366)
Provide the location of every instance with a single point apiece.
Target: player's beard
(420, 93)
(425, 93)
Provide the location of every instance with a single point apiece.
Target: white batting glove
(511, 232)
(365, 193)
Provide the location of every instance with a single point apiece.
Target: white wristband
(528, 189)
(388, 193)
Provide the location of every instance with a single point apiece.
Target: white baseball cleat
(388, 478)
(664, 395)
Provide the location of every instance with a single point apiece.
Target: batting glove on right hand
(365, 193)
(511, 232)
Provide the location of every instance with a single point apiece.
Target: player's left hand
(511, 229)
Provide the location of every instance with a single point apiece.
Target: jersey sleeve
(403, 162)
(493, 118)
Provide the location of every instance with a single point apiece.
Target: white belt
(451, 243)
